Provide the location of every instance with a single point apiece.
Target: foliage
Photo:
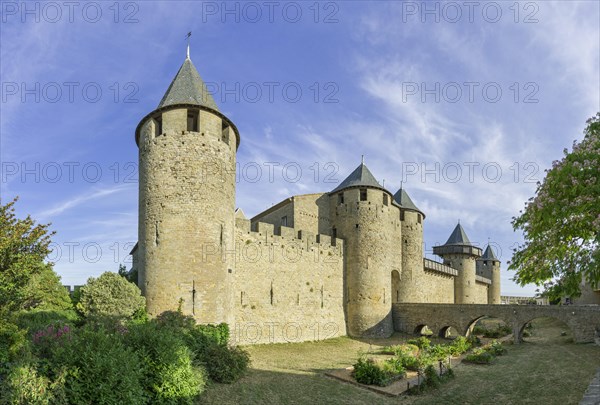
(129, 275)
(474, 341)
(367, 371)
(170, 375)
(24, 385)
(44, 291)
(460, 345)
(480, 356)
(432, 379)
(36, 319)
(421, 343)
(111, 295)
(24, 246)
(100, 368)
(12, 343)
(496, 348)
(560, 224)
(225, 364)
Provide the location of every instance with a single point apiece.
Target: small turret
(409, 288)
(458, 252)
(488, 265)
(362, 213)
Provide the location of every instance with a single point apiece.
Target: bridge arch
(471, 324)
(445, 331)
(523, 324)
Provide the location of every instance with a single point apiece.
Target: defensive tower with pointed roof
(459, 253)
(488, 266)
(362, 212)
(187, 154)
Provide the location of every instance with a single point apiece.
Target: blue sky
(467, 103)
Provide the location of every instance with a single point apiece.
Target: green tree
(561, 224)
(24, 246)
(45, 292)
(130, 275)
(111, 295)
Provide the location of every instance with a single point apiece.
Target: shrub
(23, 385)
(496, 348)
(460, 345)
(474, 341)
(439, 352)
(421, 343)
(111, 295)
(12, 343)
(407, 348)
(478, 330)
(225, 364)
(480, 356)
(176, 320)
(36, 319)
(394, 367)
(169, 373)
(45, 291)
(100, 369)
(367, 371)
(432, 379)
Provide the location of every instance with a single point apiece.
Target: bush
(111, 295)
(170, 375)
(439, 352)
(367, 371)
(496, 348)
(45, 291)
(480, 356)
(25, 386)
(474, 341)
(432, 379)
(421, 343)
(460, 345)
(176, 320)
(100, 369)
(37, 319)
(12, 344)
(225, 364)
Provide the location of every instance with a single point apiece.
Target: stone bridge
(584, 321)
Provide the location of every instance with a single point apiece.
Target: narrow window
(363, 194)
(158, 126)
(225, 132)
(401, 215)
(192, 121)
(334, 233)
(340, 198)
(284, 220)
(385, 199)
(419, 218)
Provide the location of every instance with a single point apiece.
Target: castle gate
(584, 321)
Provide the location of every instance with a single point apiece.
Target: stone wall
(437, 287)
(480, 293)
(288, 285)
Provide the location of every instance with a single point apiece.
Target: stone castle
(312, 267)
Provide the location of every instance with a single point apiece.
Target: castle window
(401, 215)
(284, 220)
(385, 199)
(340, 198)
(225, 132)
(192, 121)
(419, 218)
(363, 194)
(334, 233)
(158, 126)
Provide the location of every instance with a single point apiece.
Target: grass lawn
(547, 369)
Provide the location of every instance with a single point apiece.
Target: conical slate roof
(361, 176)
(458, 237)
(188, 88)
(489, 254)
(402, 198)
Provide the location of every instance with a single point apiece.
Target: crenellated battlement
(262, 232)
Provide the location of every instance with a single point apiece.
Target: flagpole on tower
(189, 34)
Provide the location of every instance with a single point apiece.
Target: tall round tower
(459, 253)
(489, 266)
(364, 215)
(411, 284)
(187, 152)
